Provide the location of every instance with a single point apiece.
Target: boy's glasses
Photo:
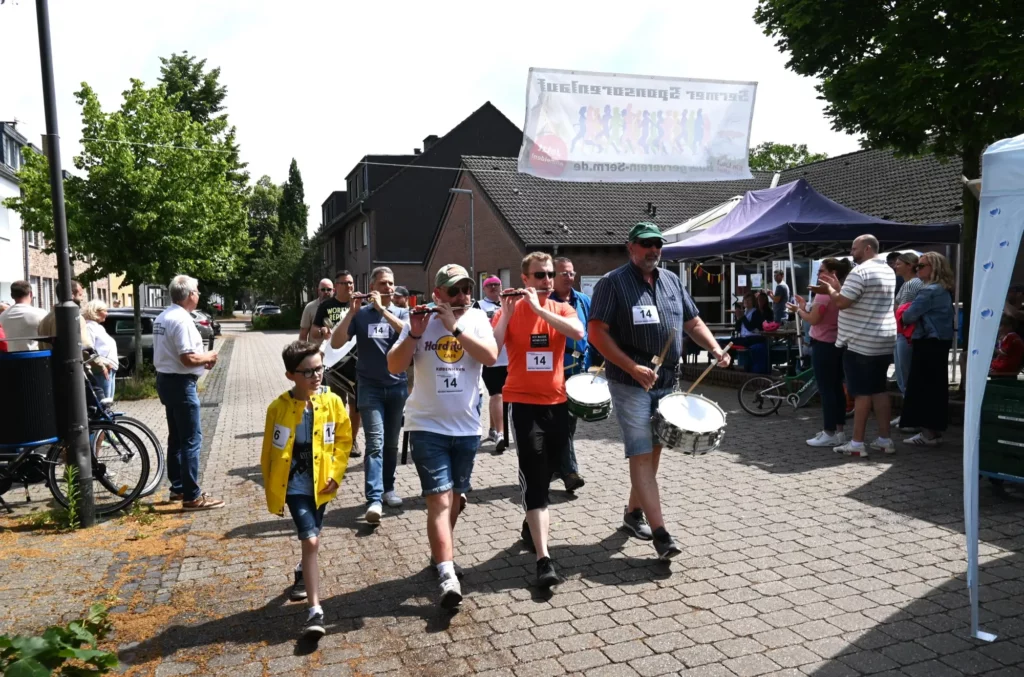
(311, 373)
(541, 274)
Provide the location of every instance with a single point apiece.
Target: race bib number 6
(645, 315)
(539, 361)
(281, 435)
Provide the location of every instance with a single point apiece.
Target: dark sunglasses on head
(463, 289)
(652, 242)
(541, 274)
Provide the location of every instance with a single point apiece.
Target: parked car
(120, 324)
(268, 309)
(205, 327)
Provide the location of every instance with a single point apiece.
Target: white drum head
(692, 413)
(586, 389)
(332, 356)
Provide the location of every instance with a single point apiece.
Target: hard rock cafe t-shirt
(446, 399)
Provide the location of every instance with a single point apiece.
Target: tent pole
(799, 329)
(956, 316)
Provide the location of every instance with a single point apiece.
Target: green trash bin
(1002, 429)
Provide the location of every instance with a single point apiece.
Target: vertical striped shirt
(640, 316)
(868, 327)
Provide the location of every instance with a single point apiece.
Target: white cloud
(329, 82)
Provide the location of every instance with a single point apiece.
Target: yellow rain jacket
(332, 443)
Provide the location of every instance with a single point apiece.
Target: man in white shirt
(494, 376)
(22, 319)
(307, 332)
(179, 361)
(867, 329)
(447, 348)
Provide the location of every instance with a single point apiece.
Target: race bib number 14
(539, 361)
(645, 315)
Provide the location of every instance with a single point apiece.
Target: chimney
(430, 141)
(416, 151)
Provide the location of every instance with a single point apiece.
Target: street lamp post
(472, 249)
(70, 384)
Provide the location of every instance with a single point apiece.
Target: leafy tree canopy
(775, 157)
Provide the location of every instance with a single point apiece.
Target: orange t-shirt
(535, 355)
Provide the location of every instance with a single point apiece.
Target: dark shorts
(865, 374)
(308, 518)
(494, 379)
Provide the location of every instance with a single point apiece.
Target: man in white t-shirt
(307, 332)
(448, 348)
(494, 376)
(179, 360)
(867, 329)
(22, 319)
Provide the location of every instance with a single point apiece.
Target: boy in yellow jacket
(306, 444)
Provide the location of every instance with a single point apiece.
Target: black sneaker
(636, 523)
(355, 453)
(666, 548)
(501, 445)
(314, 627)
(298, 591)
(527, 537)
(546, 575)
(573, 481)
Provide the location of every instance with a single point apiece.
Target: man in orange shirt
(533, 329)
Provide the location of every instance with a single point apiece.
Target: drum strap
(302, 459)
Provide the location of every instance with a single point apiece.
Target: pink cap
(492, 280)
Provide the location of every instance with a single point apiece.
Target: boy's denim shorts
(444, 462)
(308, 518)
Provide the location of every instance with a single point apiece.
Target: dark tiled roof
(876, 182)
(595, 213)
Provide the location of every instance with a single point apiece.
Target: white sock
(883, 440)
(315, 610)
(444, 569)
(298, 567)
(855, 444)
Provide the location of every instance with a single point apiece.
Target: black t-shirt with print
(332, 310)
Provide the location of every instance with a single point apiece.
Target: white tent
(702, 221)
(1000, 227)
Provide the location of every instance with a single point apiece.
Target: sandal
(919, 440)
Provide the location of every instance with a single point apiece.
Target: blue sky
(328, 82)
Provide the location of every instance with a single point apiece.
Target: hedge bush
(289, 319)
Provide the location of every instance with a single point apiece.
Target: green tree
(153, 198)
(200, 93)
(775, 157)
(293, 213)
(919, 77)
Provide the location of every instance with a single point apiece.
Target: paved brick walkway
(795, 563)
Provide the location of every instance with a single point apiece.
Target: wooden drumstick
(710, 367)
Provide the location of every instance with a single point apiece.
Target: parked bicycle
(764, 395)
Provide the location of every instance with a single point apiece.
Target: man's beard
(857, 258)
(647, 264)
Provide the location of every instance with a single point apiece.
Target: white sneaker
(392, 499)
(492, 435)
(823, 439)
(451, 592)
(887, 447)
(859, 451)
(841, 438)
(374, 512)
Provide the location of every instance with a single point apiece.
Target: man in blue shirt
(381, 394)
(576, 361)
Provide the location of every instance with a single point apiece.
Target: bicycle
(766, 394)
(100, 412)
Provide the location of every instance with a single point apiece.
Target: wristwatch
(457, 331)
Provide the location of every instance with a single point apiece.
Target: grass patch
(140, 513)
(54, 519)
(141, 385)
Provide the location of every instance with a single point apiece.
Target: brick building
(392, 206)
(588, 222)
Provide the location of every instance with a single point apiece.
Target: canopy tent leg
(799, 329)
(956, 316)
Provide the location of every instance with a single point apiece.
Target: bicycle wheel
(761, 396)
(157, 462)
(120, 468)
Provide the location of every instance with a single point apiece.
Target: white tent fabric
(1000, 227)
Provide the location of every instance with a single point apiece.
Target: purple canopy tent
(797, 217)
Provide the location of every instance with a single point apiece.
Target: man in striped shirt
(867, 329)
(634, 310)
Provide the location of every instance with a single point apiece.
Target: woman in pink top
(823, 316)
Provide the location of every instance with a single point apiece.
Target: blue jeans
(902, 358)
(444, 462)
(382, 409)
(828, 372)
(184, 432)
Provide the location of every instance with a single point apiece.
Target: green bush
(49, 653)
(289, 319)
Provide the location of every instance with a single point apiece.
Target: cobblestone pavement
(795, 563)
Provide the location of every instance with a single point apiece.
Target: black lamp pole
(70, 383)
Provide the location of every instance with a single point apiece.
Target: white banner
(607, 127)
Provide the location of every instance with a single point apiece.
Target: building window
(47, 294)
(506, 277)
(5, 223)
(366, 233)
(34, 281)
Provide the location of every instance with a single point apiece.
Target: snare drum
(340, 372)
(589, 397)
(689, 423)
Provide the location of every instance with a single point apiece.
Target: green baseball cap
(645, 230)
(450, 274)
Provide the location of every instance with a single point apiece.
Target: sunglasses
(652, 242)
(541, 274)
(568, 273)
(494, 284)
(311, 373)
(347, 284)
(455, 291)
(326, 289)
(922, 265)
